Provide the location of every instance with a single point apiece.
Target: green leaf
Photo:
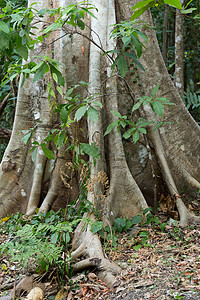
(137, 247)
(134, 58)
(122, 66)
(4, 41)
(27, 137)
(128, 133)
(4, 27)
(141, 4)
(54, 238)
(47, 152)
(116, 114)
(80, 112)
(140, 11)
(89, 12)
(136, 106)
(59, 90)
(96, 226)
(188, 11)
(34, 153)
(37, 66)
(174, 3)
(64, 115)
(81, 24)
(54, 70)
(154, 90)
(97, 103)
(92, 114)
(60, 139)
(158, 108)
(136, 136)
(119, 224)
(136, 220)
(40, 72)
(21, 49)
(110, 127)
(91, 150)
(51, 27)
(142, 129)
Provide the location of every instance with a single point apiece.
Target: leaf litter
(163, 265)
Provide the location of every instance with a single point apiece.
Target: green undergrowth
(43, 241)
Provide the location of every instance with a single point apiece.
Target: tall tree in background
(179, 62)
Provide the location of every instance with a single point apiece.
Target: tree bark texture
(179, 49)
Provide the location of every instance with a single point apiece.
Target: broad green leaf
(54, 238)
(140, 11)
(97, 103)
(126, 41)
(22, 50)
(66, 237)
(119, 224)
(137, 44)
(68, 9)
(80, 112)
(123, 123)
(27, 137)
(116, 113)
(59, 90)
(128, 133)
(122, 66)
(136, 106)
(60, 140)
(54, 70)
(141, 4)
(47, 152)
(137, 247)
(110, 127)
(158, 108)
(142, 129)
(188, 11)
(89, 12)
(64, 115)
(36, 67)
(4, 41)
(136, 220)
(13, 76)
(92, 114)
(154, 90)
(81, 24)
(175, 3)
(51, 27)
(34, 153)
(157, 126)
(136, 136)
(134, 58)
(40, 72)
(4, 27)
(90, 150)
(96, 226)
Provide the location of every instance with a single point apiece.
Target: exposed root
(55, 185)
(185, 216)
(37, 183)
(191, 180)
(89, 246)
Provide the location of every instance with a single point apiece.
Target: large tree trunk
(26, 185)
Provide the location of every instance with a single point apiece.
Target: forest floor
(156, 264)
